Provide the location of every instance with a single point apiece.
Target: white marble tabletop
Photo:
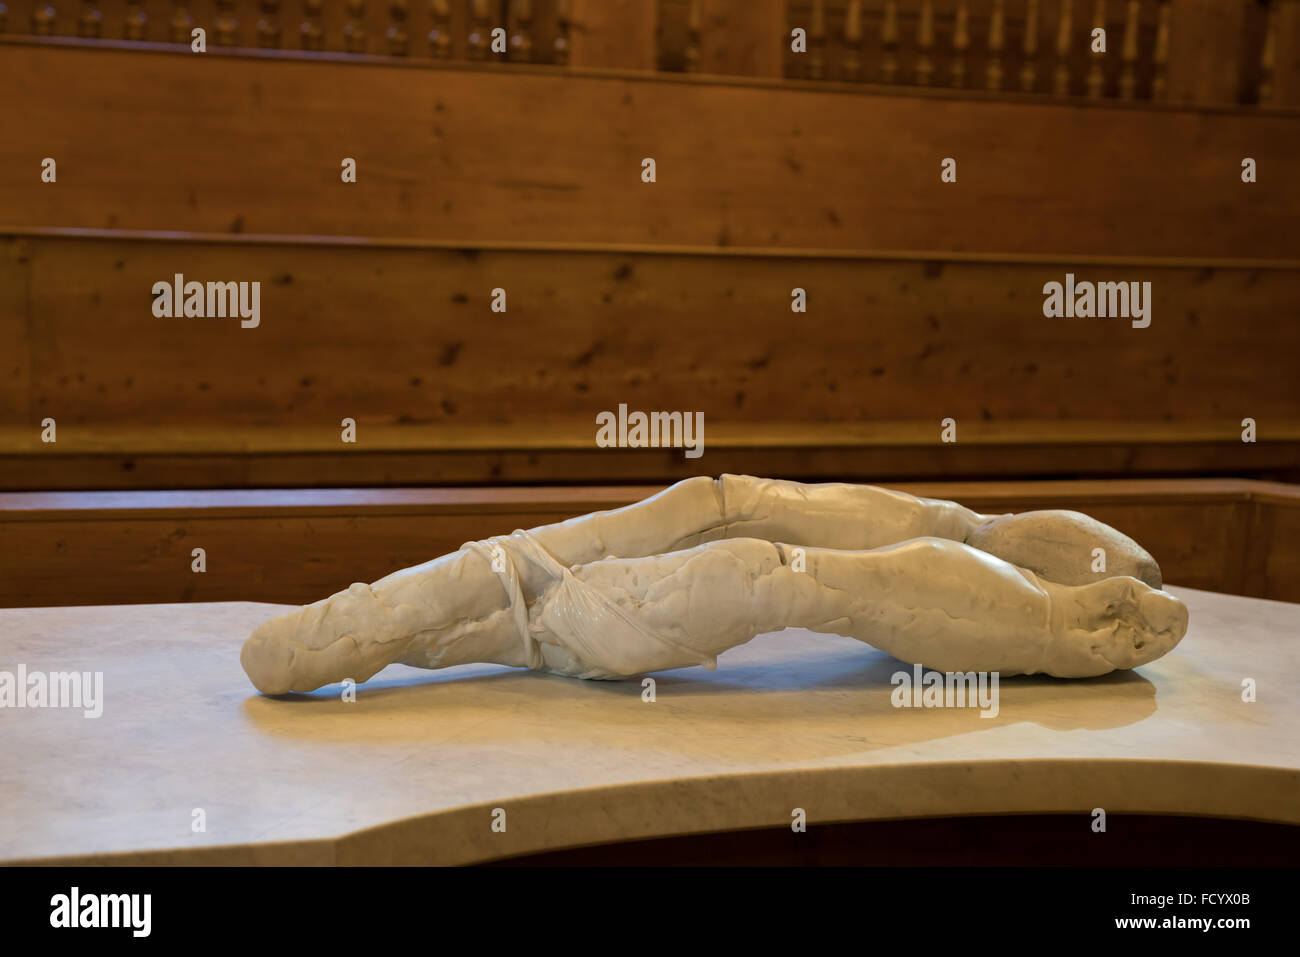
(413, 770)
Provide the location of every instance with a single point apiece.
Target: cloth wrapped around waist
(604, 638)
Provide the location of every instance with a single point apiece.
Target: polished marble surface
(412, 771)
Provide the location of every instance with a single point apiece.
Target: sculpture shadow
(829, 696)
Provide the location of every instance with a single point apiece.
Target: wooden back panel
(402, 340)
(668, 296)
(298, 546)
(166, 140)
(396, 336)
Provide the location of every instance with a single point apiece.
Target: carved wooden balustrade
(1048, 47)
(1044, 47)
(532, 31)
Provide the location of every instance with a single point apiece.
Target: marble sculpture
(705, 565)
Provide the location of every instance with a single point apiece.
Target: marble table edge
(748, 800)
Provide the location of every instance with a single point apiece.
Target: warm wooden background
(401, 336)
(252, 145)
(296, 546)
(924, 298)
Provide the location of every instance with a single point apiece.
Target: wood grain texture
(405, 338)
(614, 34)
(1234, 536)
(160, 140)
(1203, 68)
(743, 37)
(1286, 78)
(187, 458)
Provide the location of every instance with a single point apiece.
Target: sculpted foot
(347, 635)
(1110, 624)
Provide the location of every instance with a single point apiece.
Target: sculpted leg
(1057, 545)
(927, 601)
(450, 610)
(930, 601)
(702, 509)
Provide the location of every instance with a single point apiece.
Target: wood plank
(1286, 80)
(1203, 68)
(403, 341)
(1272, 561)
(44, 506)
(126, 468)
(19, 337)
(614, 34)
(297, 546)
(198, 440)
(743, 37)
(745, 162)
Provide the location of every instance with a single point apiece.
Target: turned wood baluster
(478, 30)
(440, 32)
(694, 24)
(997, 40)
(398, 41)
(311, 32)
(853, 41)
(43, 15)
(521, 33)
(563, 22)
(1160, 81)
(925, 44)
(136, 24)
(1096, 73)
(817, 41)
(1061, 82)
(660, 54)
(354, 32)
(1128, 79)
(1268, 54)
(4, 17)
(90, 22)
(227, 23)
(181, 24)
(268, 25)
(1029, 69)
(960, 43)
(889, 42)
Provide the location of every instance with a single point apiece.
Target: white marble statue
(707, 564)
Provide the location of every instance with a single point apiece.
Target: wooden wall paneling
(18, 341)
(405, 338)
(1271, 563)
(1202, 67)
(743, 37)
(1286, 78)
(129, 468)
(288, 546)
(614, 34)
(740, 164)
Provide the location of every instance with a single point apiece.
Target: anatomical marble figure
(705, 565)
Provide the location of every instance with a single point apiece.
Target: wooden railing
(1032, 46)
(1043, 47)
(535, 31)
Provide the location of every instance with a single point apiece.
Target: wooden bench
(296, 546)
